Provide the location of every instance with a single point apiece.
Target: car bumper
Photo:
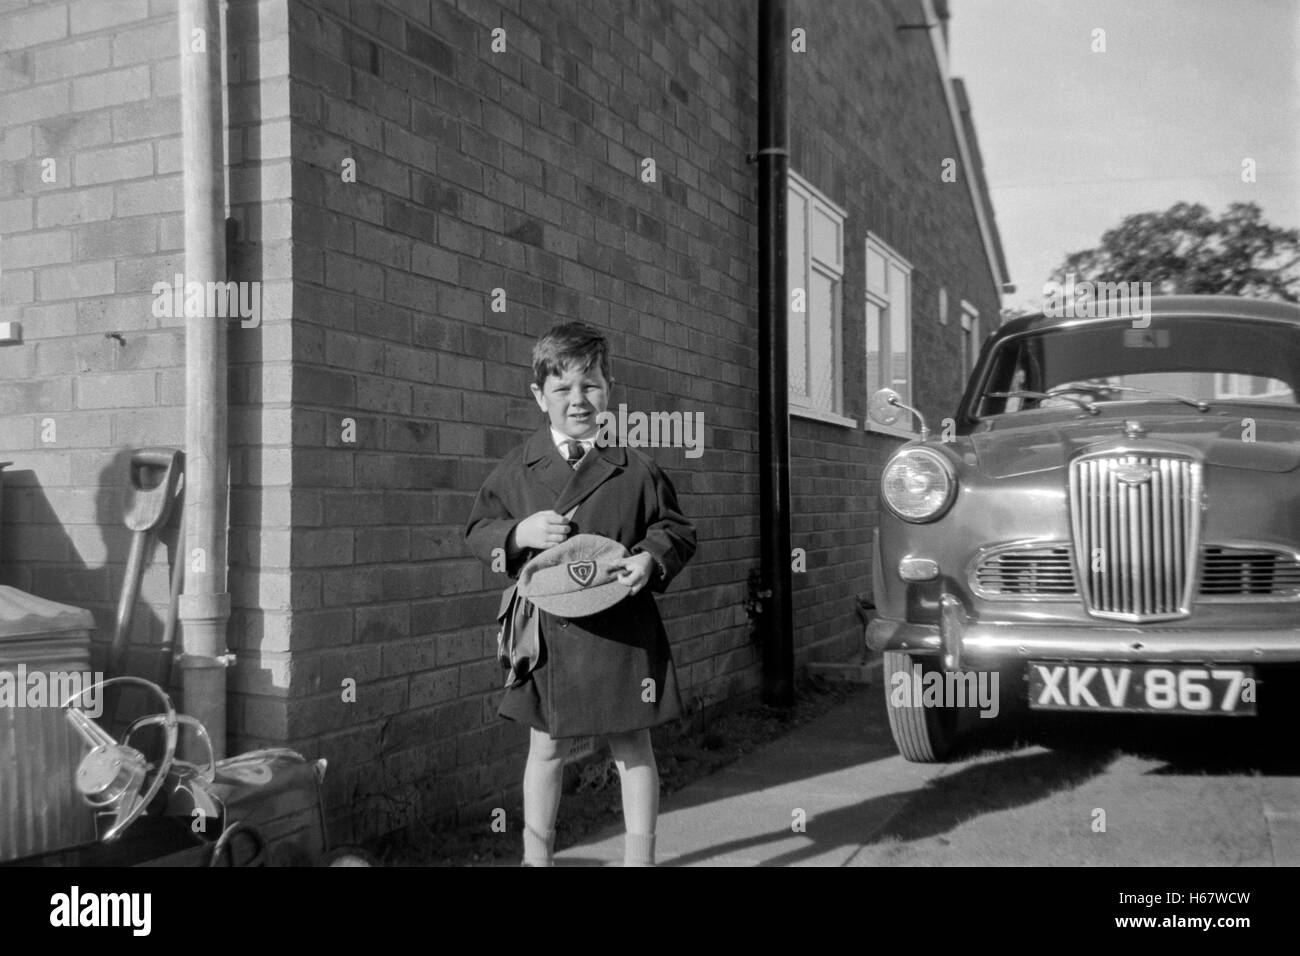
(963, 643)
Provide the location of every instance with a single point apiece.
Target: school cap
(574, 578)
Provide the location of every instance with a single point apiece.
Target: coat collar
(571, 485)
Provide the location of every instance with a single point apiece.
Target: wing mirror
(885, 407)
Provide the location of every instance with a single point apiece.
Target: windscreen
(1203, 358)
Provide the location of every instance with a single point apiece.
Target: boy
(609, 674)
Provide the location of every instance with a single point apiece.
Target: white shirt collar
(560, 438)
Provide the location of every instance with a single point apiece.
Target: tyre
(921, 734)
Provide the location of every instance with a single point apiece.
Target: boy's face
(573, 400)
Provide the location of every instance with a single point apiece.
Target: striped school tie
(573, 452)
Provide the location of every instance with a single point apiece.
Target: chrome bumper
(963, 643)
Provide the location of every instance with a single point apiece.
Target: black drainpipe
(775, 621)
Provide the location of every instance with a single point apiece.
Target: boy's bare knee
(542, 746)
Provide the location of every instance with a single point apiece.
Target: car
(1110, 523)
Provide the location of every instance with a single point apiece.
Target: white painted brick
(110, 89)
(76, 281)
(81, 205)
(151, 42)
(15, 216)
(149, 198)
(116, 390)
(168, 156)
(166, 78)
(115, 238)
(50, 321)
(36, 249)
(60, 135)
(268, 140)
(265, 183)
(140, 275)
(133, 161)
(15, 70)
(16, 287)
(88, 15)
(171, 233)
(36, 103)
(70, 59)
(149, 120)
(15, 144)
(115, 314)
(32, 27)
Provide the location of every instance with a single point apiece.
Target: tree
(1185, 250)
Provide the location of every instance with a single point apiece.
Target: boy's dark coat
(594, 668)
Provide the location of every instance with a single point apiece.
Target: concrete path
(1180, 792)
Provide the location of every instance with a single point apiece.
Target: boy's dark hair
(569, 344)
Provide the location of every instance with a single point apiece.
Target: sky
(1075, 140)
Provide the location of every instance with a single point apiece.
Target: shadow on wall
(83, 564)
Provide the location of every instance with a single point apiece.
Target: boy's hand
(636, 570)
(541, 530)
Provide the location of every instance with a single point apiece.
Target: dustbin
(44, 658)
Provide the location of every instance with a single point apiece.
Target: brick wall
(869, 128)
(93, 86)
(387, 172)
(89, 220)
(518, 171)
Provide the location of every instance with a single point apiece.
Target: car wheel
(922, 734)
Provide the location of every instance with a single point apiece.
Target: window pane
(797, 352)
(900, 366)
(796, 230)
(821, 343)
(875, 270)
(874, 329)
(825, 237)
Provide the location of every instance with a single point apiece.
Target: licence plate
(1142, 688)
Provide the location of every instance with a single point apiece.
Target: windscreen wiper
(1086, 406)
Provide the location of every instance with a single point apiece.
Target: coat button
(564, 623)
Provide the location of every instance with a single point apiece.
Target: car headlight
(918, 484)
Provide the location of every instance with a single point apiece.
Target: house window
(970, 336)
(815, 240)
(889, 324)
(1250, 387)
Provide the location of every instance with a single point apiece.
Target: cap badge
(584, 572)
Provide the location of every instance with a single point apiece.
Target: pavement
(834, 792)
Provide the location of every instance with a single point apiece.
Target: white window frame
(799, 275)
(883, 298)
(970, 337)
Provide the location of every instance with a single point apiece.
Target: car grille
(1026, 572)
(1136, 543)
(1241, 572)
(1227, 574)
